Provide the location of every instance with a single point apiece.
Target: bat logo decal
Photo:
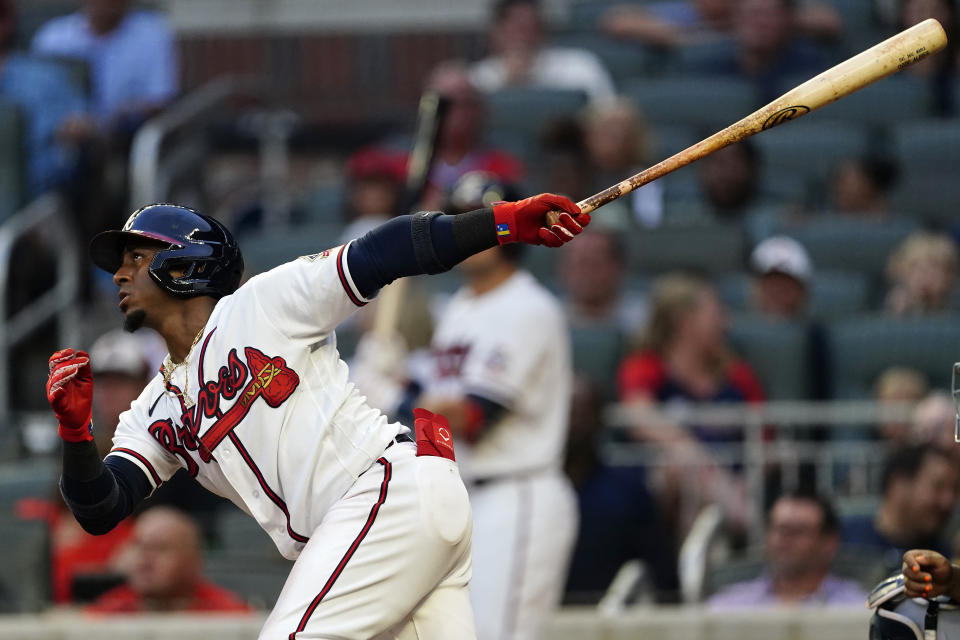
(789, 113)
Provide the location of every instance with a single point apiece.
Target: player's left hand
(926, 574)
(526, 220)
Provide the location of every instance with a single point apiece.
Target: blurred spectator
(591, 276)
(768, 47)
(782, 274)
(860, 186)
(165, 572)
(459, 144)
(131, 54)
(938, 70)
(562, 166)
(920, 485)
(375, 180)
(898, 386)
(49, 102)
(802, 539)
(729, 185)
(519, 58)
(674, 23)
(671, 23)
(922, 272)
(933, 423)
(617, 146)
(684, 358)
(619, 519)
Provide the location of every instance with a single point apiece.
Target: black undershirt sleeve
(416, 244)
(100, 493)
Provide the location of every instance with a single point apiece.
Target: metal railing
(48, 216)
(174, 144)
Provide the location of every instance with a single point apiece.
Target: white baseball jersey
(261, 412)
(510, 345)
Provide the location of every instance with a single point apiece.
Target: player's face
(140, 297)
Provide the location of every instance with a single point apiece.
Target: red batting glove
(70, 393)
(526, 220)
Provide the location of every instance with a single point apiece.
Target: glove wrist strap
(505, 220)
(76, 434)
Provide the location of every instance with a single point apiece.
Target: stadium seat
(24, 565)
(849, 244)
(925, 146)
(527, 110)
(623, 59)
(710, 102)
(862, 346)
(597, 353)
(834, 293)
(12, 160)
(667, 139)
(933, 196)
(694, 57)
(767, 345)
(810, 147)
(584, 14)
(274, 247)
(259, 580)
(238, 533)
(707, 248)
(890, 101)
(19, 480)
(324, 205)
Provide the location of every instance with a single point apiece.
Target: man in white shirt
(518, 57)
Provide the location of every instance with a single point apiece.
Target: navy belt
(401, 437)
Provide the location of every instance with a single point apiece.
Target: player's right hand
(526, 220)
(70, 393)
(926, 574)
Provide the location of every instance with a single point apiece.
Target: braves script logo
(785, 114)
(269, 378)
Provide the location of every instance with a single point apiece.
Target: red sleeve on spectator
(503, 165)
(641, 372)
(745, 380)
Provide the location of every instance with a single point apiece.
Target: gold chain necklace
(169, 367)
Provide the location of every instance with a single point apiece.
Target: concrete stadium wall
(675, 623)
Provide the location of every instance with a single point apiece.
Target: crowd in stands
(807, 265)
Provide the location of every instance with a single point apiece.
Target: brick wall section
(331, 77)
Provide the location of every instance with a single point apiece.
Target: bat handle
(553, 217)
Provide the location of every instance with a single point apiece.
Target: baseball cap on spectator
(782, 254)
(372, 163)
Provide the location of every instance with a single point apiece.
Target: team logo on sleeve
(255, 376)
(313, 257)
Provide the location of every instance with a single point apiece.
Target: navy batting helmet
(195, 243)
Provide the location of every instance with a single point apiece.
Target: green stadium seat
(932, 196)
(24, 566)
(925, 146)
(862, 346)
(833, 293)
(34, 479)
(623, 59)
(12, 160)
(694, 57)
(258, 580)
(810, 147)
(668, 139)
(707, 248)
(597, 353)
(778, 351)
(890, 101)
(238, 533)
(528, 110)
(274, 247)
(849, 244)
(685, 100)
(324, 205)
(584, 14)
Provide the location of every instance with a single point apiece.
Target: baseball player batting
(253, 400)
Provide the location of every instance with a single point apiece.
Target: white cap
(125, 353)
(781, 254)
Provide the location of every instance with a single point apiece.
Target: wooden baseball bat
(879, 61)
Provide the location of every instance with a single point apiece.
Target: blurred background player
(506, 393)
